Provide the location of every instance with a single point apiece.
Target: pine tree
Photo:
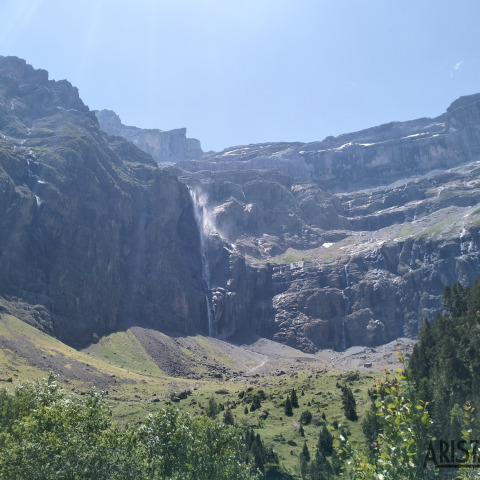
(255, 403)
(305, 452)
(228, 417)
(447, 300)
(459, 306)
(370, 425)
(325, 442)
(288, 407)
(349, 404)
(320, 468)
(294, 398)
(304, 460)
(473, 299)
(258, 452)
(212, 408)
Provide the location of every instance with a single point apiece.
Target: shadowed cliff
(93, 236)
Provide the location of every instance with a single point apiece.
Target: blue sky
(251, 71)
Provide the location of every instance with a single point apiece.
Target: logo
(453, 454)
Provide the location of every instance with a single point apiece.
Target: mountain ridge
(322, 245)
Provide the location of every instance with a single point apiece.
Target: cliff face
(349, 241)
(320, 270)
(93, 236)
(163, 146)
(376, 156)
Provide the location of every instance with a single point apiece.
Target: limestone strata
(163, 146)
(349, 241)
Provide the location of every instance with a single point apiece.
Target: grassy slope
(137, 386)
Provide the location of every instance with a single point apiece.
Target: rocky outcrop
(93, 235)
(367, 285)
(163, 146)
(349, 241)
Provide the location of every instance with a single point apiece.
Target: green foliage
(320, 468)
(46, 434)
(403, 435)
(445, 363)
(306, 417)
(371, 425)
(228, 417)
(454, 300)
(305, 452)
(304, 460)
(256, 404)
(288, 407)
(349, 404)
(179, 446)
(212, 408)
(325, 442)
(294, 398)
(263, 459)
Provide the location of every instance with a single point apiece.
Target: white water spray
(462, 244)
(205, 227)
(347, 308)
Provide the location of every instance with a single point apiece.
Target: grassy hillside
(138, 370)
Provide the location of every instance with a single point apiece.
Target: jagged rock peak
(163, 146)
(29, 91)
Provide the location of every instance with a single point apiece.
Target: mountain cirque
(348, 241)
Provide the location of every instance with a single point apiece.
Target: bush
(306, 417)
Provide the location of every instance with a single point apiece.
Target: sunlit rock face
(163, 146)
(93, 235)
(348, 241)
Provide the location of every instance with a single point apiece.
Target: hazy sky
(250, 71)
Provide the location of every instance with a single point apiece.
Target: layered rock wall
(163, 146)
(93, 235)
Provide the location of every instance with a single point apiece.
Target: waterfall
(205, 225)
(347, 308)
(462, 235)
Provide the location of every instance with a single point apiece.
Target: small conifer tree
(349, 404)
(228, 417)
(288, 407)
(294, 398)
